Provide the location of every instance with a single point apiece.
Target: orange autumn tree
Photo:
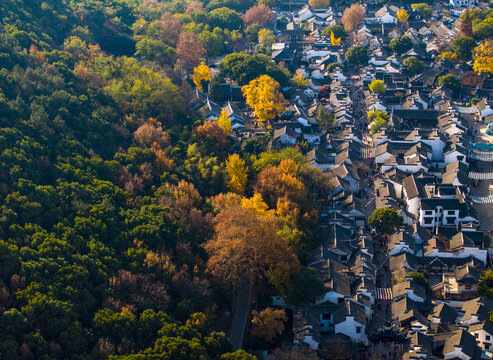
(211, 133)
(263, 95)
(247, 247)
(151, 133)
(194, 6)
(268, 323)
(190, 50)
(466, 24)
(277, 182)
(353, 16)
(259, 14)
(171, 28)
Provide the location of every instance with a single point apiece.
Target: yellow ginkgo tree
(448, 55)
(300, 80)
(402, 16)
(224, 122)
(483, 57)
(333, 40)
(263, 95)
(201, 73)
(237, 174)
(257, 204)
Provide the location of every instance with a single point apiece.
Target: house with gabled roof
(483, 333)
(348, 174)
(411, 289)
(350, 319)
(235, 116)
(285, 135)
(475, 311)
(306, 326)
(442, 313)
(461, 345)
(209, 110)
(406, 313)
(337, 284)
(462, 283)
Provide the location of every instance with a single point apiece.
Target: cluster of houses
(436, 259)
(419, 165)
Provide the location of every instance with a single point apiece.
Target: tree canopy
(385, 220)
(413, 65)
(401, 44)
(243, 68)
(357, 55)
(112, 234)
(450, 82)
(377, 86)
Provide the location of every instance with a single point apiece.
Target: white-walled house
(350, 320)
(413, 191)
(285, 135)
(462, 3)
(483, 333)
(439, 211)
(449, 249)
(385, 15)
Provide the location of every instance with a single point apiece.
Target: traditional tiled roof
(463, 340)
(444, 312)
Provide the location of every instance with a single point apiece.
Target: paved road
(240, 316)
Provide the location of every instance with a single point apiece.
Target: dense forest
(127, 222)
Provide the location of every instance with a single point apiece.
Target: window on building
(325, 316)
(487, 337)
(468, 287)
(476, 336)
(428, 212)
(428, 220)
(358, 329)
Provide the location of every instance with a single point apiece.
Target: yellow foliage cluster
(201, 73)
(257, 205)
(264, 97)
(163, 162)
(483, 57)
(224, 122)
(402, 16)
(300, 80)
(237, 174)
(269, 323)
(333, 40)
(197, 320)
(448, 55)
